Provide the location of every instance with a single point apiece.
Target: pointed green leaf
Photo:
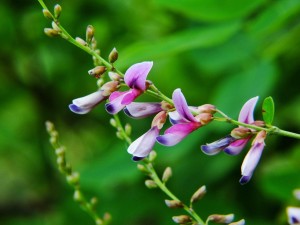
(268, 110)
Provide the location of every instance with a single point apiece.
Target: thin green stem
(163, 187)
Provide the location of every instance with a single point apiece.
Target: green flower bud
(60, 152)
(182, 219)
(73, 179)
(55, 26)
(142, 168)
(78, 196)
(57, 11)
(113, 122)
(167, 174)
(113, 55)
(49, 126)
(150, 184)
(173, 204)
(99, 221)
(128, 129)
(47, 14)
(152, 155)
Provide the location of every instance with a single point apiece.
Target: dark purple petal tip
(244, 180)
(110, 108)
(136, 158)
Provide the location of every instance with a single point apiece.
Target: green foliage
(268, 110)
(218, 52)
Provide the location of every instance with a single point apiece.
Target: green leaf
(212, 10)
(268, 110)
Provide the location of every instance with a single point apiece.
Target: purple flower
(142, 146)
(253, 156)
(85, 104)
(140, 110)
(230, 144)
(293, 215)
(135, 78)
(183, 121)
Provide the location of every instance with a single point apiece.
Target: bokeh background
(219, 52)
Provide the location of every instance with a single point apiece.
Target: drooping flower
(293, 215)
(253, 156)
(230, 144)
(142, 146)
(184, 122)
(135, 78)
(85, 104)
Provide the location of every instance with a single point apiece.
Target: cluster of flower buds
(55, 30)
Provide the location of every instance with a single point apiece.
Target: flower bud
(49, 126)
(152, 156)
(60, 151)
(73, 179)
(57, 11)
(114, 76)
(150, 184)
(55, 26)
(173, 204)
(80, 41)
(128, 129)
(167, 174)
(120, 135)
(100, 82)
(51, 32)
(113, 122)
(113, 55)
(182, 219)
(109, 87)
(47, 14)
(106, 217)
(217, 218)
(97, 71)
(78, 196)
(240, 222)
(198, 194)
(240, 132)
(94, 201)
(99, 221)
(90, 31)
(142, 168)
(204, 118)
(207, 108)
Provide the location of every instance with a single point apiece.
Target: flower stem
(163, 188)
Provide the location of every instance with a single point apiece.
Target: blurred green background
(219, 52)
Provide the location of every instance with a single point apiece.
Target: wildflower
(142, 146)
(85, 104)
(183, 121)
(135, 78)
(293, 215)
(252, 158)
(234, 143)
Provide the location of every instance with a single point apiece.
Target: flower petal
(142, 109)
(246, 113)
(236, 146)
(182, 106)
(142, 146)
(115, 105)
(250, 161)
(176, 133)
(135, 76)
(85, 104)
(217, 146)
(293, 214)
(130, 96)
